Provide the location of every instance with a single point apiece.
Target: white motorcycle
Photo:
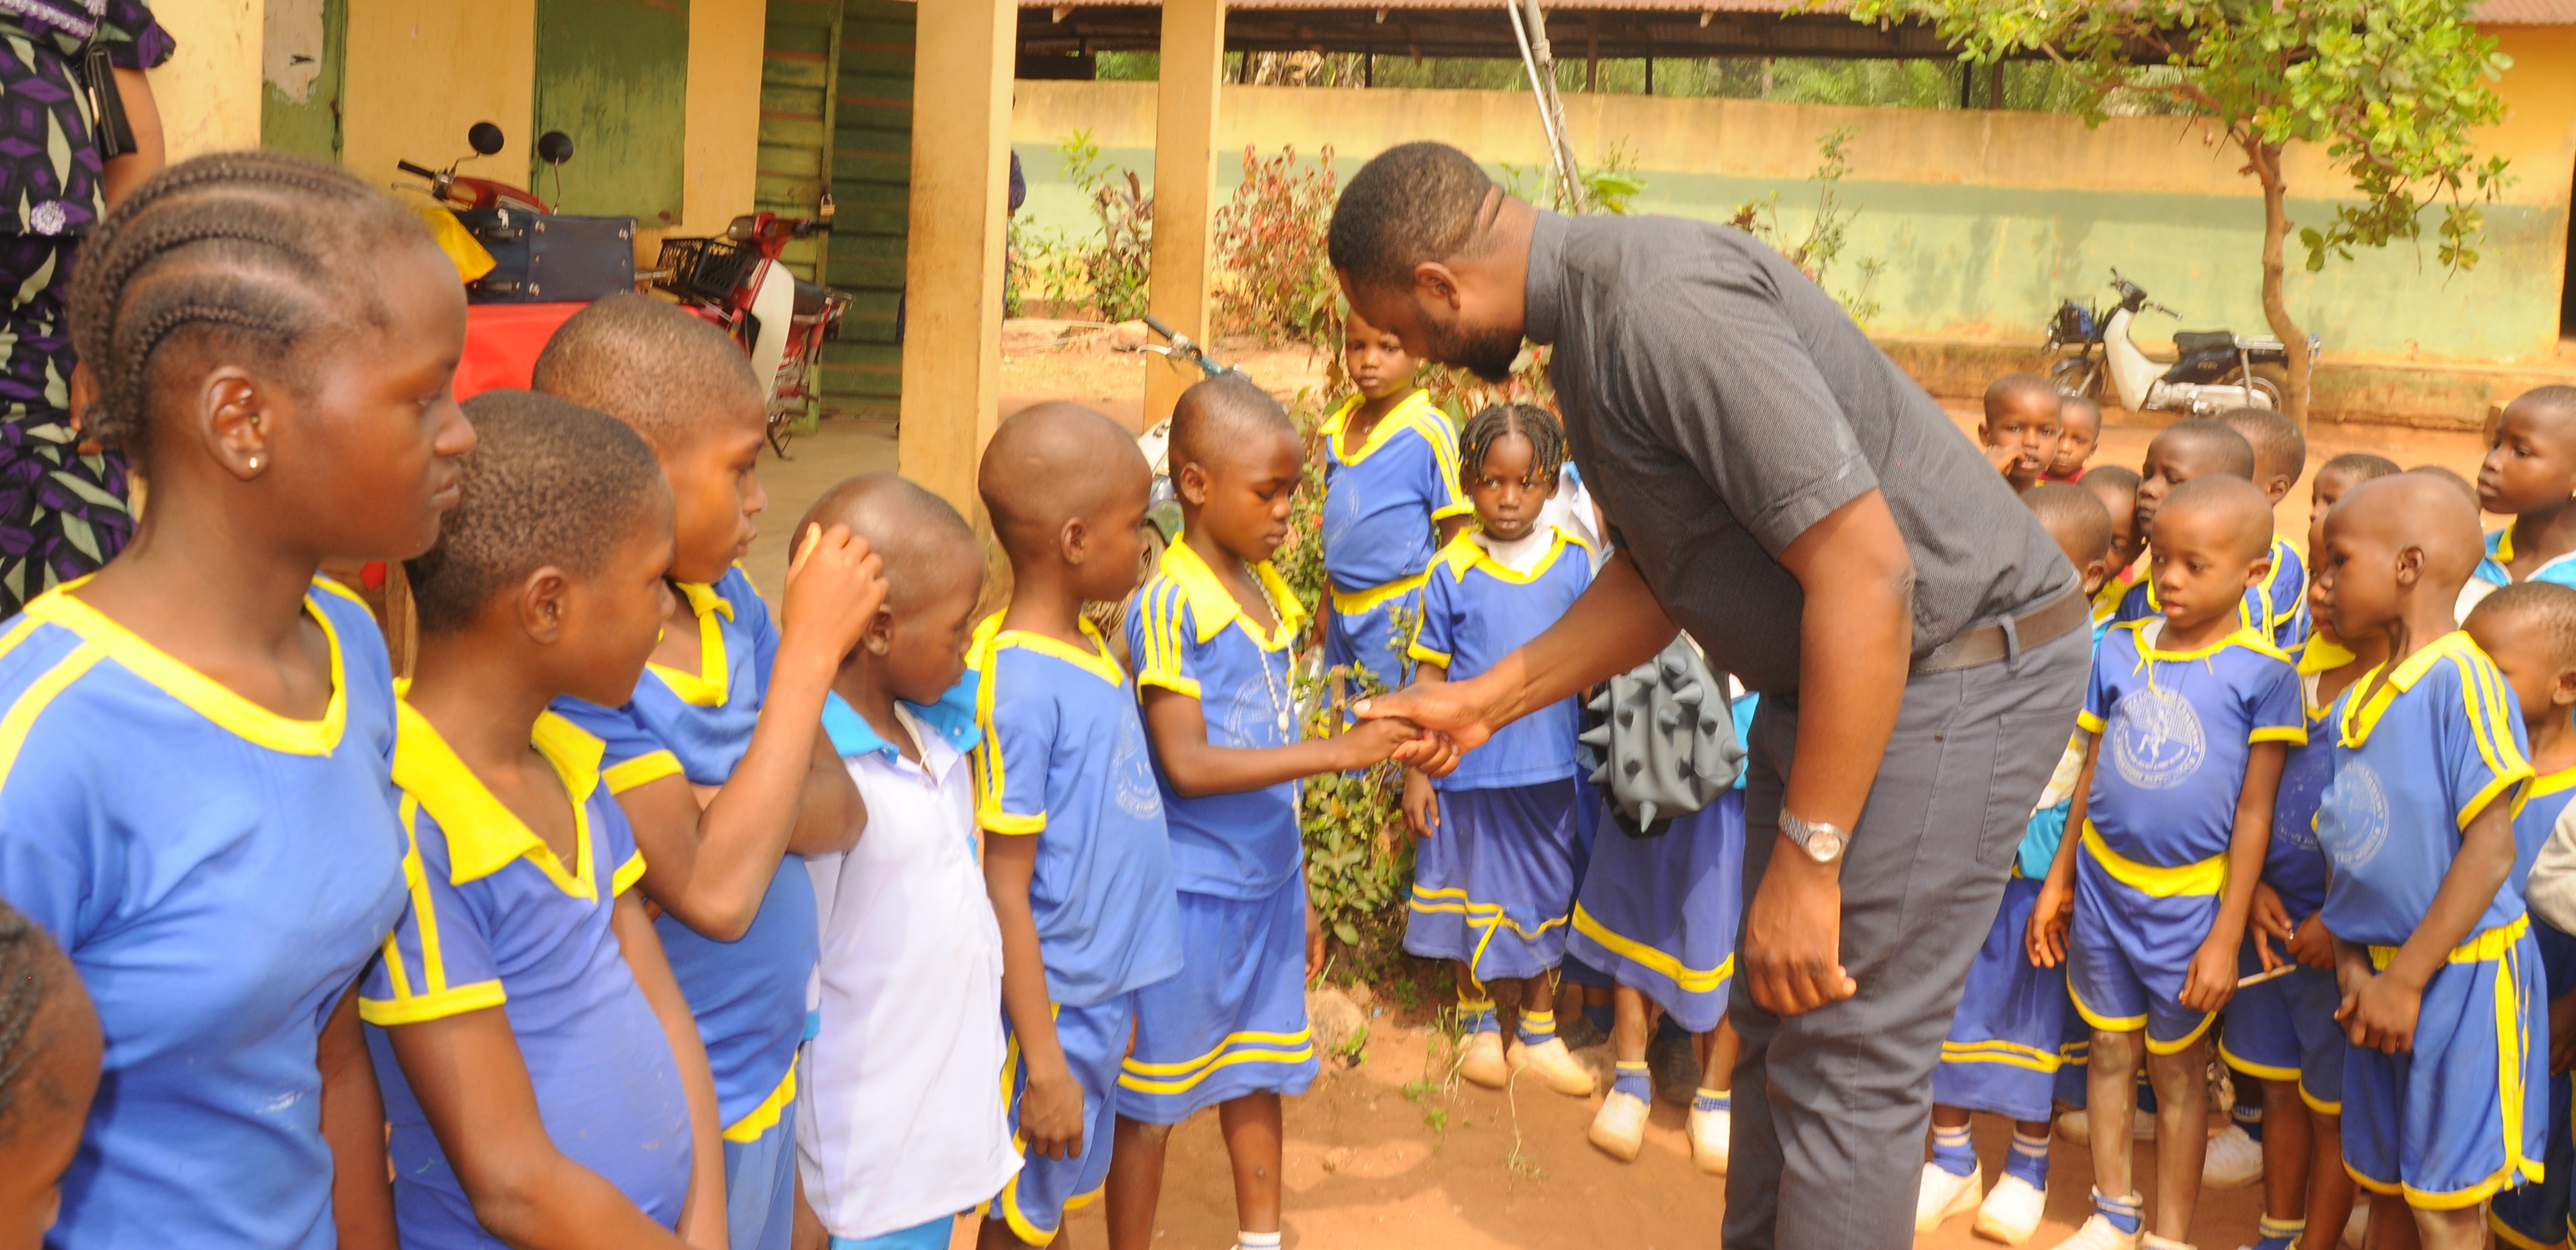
(2216, 370)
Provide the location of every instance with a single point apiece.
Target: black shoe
(1674, 1063)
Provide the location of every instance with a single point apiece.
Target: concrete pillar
(952, 347)
(1193, 66)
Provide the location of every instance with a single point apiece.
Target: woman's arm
(144, 116)
(353, 1122)
(702, 1218)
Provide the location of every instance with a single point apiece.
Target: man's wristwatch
(1823, 843)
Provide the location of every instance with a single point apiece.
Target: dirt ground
(1383, 1152)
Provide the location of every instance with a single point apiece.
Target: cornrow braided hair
(29, 968)
(1538, 425)
(258, 252)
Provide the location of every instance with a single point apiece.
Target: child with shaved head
(2529, 630)
(2280, 460)
(2192, 712)
(2021, 428)
(2117, 487)
(1213, 634)
(2530, 475)
(2434, 955)
(1079, 867)
(2079, 435)
(908, 1024)
(2197, 448)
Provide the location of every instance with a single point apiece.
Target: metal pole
(1530, 28)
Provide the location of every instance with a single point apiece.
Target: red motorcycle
(738, 282)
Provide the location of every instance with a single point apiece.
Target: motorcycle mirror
(554, 147)
(485, 138)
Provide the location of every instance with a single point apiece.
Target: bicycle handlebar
(415, 170)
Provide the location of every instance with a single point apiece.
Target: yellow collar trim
(1464, 553)
(712, 683)
(2362, 716)
(202, 694)
(483, 835)
(2244, 636)
(2503, 553)
(2550, 783)
(2322, 656)
(1214, 607)
(1407, 413)
(1097, 662)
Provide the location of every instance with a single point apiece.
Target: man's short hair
(648, 363)
(548, 483)
(1412, 203)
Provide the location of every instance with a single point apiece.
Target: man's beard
(1486, 353)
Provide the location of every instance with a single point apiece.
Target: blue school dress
(219, 875)
(2276, 609)
(748, 995)
(1234, 1021)
(2535, 1216)
(1494, 885)
(1064, 761)
(497, 919)
(2459, 1117)
(1382, 508)
(2177, 729)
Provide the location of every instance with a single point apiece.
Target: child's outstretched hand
(2379, 1013)
(2210, 979)
(1372, 742)
(1421, 805)
(1051, 1114)
(2311, 945)
(2045, 940)
(835, 585)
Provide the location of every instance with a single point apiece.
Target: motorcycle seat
(2190, 341)
(810, 298)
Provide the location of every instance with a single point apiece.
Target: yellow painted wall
(208, 93)
(421, 71)
(724, 112)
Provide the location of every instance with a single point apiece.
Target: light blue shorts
(2284, 1030)
(931, 1236)
(1094, 1039)
(2127, 953)
(2464, 1114)
(760, 1187)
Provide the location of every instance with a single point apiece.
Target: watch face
(1824, 845)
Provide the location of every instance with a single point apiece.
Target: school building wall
(1983, 219)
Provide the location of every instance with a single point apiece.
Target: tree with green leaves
(2390, 89)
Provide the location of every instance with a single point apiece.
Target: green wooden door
(871, 166)
(614, 75)
(797, 65)
(306, 50)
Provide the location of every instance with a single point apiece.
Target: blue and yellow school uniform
(2177, 729)
(2276, 609)
(2284, 1029)
(2014, 1039)
(1658, 913)
(1494, 886)
(497, 919)
(748, 995)
(1234, 1021)
(2535, 1216)
(2416, 755)
(1382, 508)
(219, 875)
(2492, 571)
(1064, 761)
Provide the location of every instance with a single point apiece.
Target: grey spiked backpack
(1665, 740)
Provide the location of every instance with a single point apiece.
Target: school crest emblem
(1131, 779)
(2352, 822)
(2156, 742)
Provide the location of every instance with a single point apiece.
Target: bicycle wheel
(2078, 376)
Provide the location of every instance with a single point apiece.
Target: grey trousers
(1831, 1107)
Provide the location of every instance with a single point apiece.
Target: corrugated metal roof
(2489, 12)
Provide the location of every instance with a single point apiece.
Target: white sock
(1256, 1241)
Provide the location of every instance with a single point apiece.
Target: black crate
(544, 258)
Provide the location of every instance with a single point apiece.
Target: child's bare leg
(1251, 1125)
(2464, 1229)
(2330, 1188)
(1135, 1184)
(996, 1234)
(2181, 1082)
(1470, 990)
(2113, 1104)
(2286, 1151)
(2392, 1225)
(1717, 1050)
(1634, 1025)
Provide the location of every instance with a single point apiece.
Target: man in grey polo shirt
(1782, 490)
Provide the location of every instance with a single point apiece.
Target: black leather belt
(1987, 643)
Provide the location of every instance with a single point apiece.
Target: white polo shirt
(900, 1121)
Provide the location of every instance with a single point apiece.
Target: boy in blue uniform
(1211, 635)
(2280, 460)
(2117, 488)
(542, 1073)
(2008, 1044)
(2192, 712)
(2196, 448)
(2529, 630)
(718, 759)
(1390, 485)
(1079, 863)
(1495, 861)
(2530, 475)
(2433, 950)
(2281, 1032)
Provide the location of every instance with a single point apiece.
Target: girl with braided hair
(49, 1046)
(193, 771)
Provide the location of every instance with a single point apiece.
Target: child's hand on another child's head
(1421, 805)
(2311, 945)
(2210, 979)
(835, 585)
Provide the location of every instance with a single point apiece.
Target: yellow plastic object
(463, 250)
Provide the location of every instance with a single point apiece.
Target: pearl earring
(254, 464)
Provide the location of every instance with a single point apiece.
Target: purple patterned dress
(62, 512)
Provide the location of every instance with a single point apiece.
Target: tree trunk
(2265, 158)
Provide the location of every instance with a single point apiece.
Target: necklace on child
(1279, 705)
